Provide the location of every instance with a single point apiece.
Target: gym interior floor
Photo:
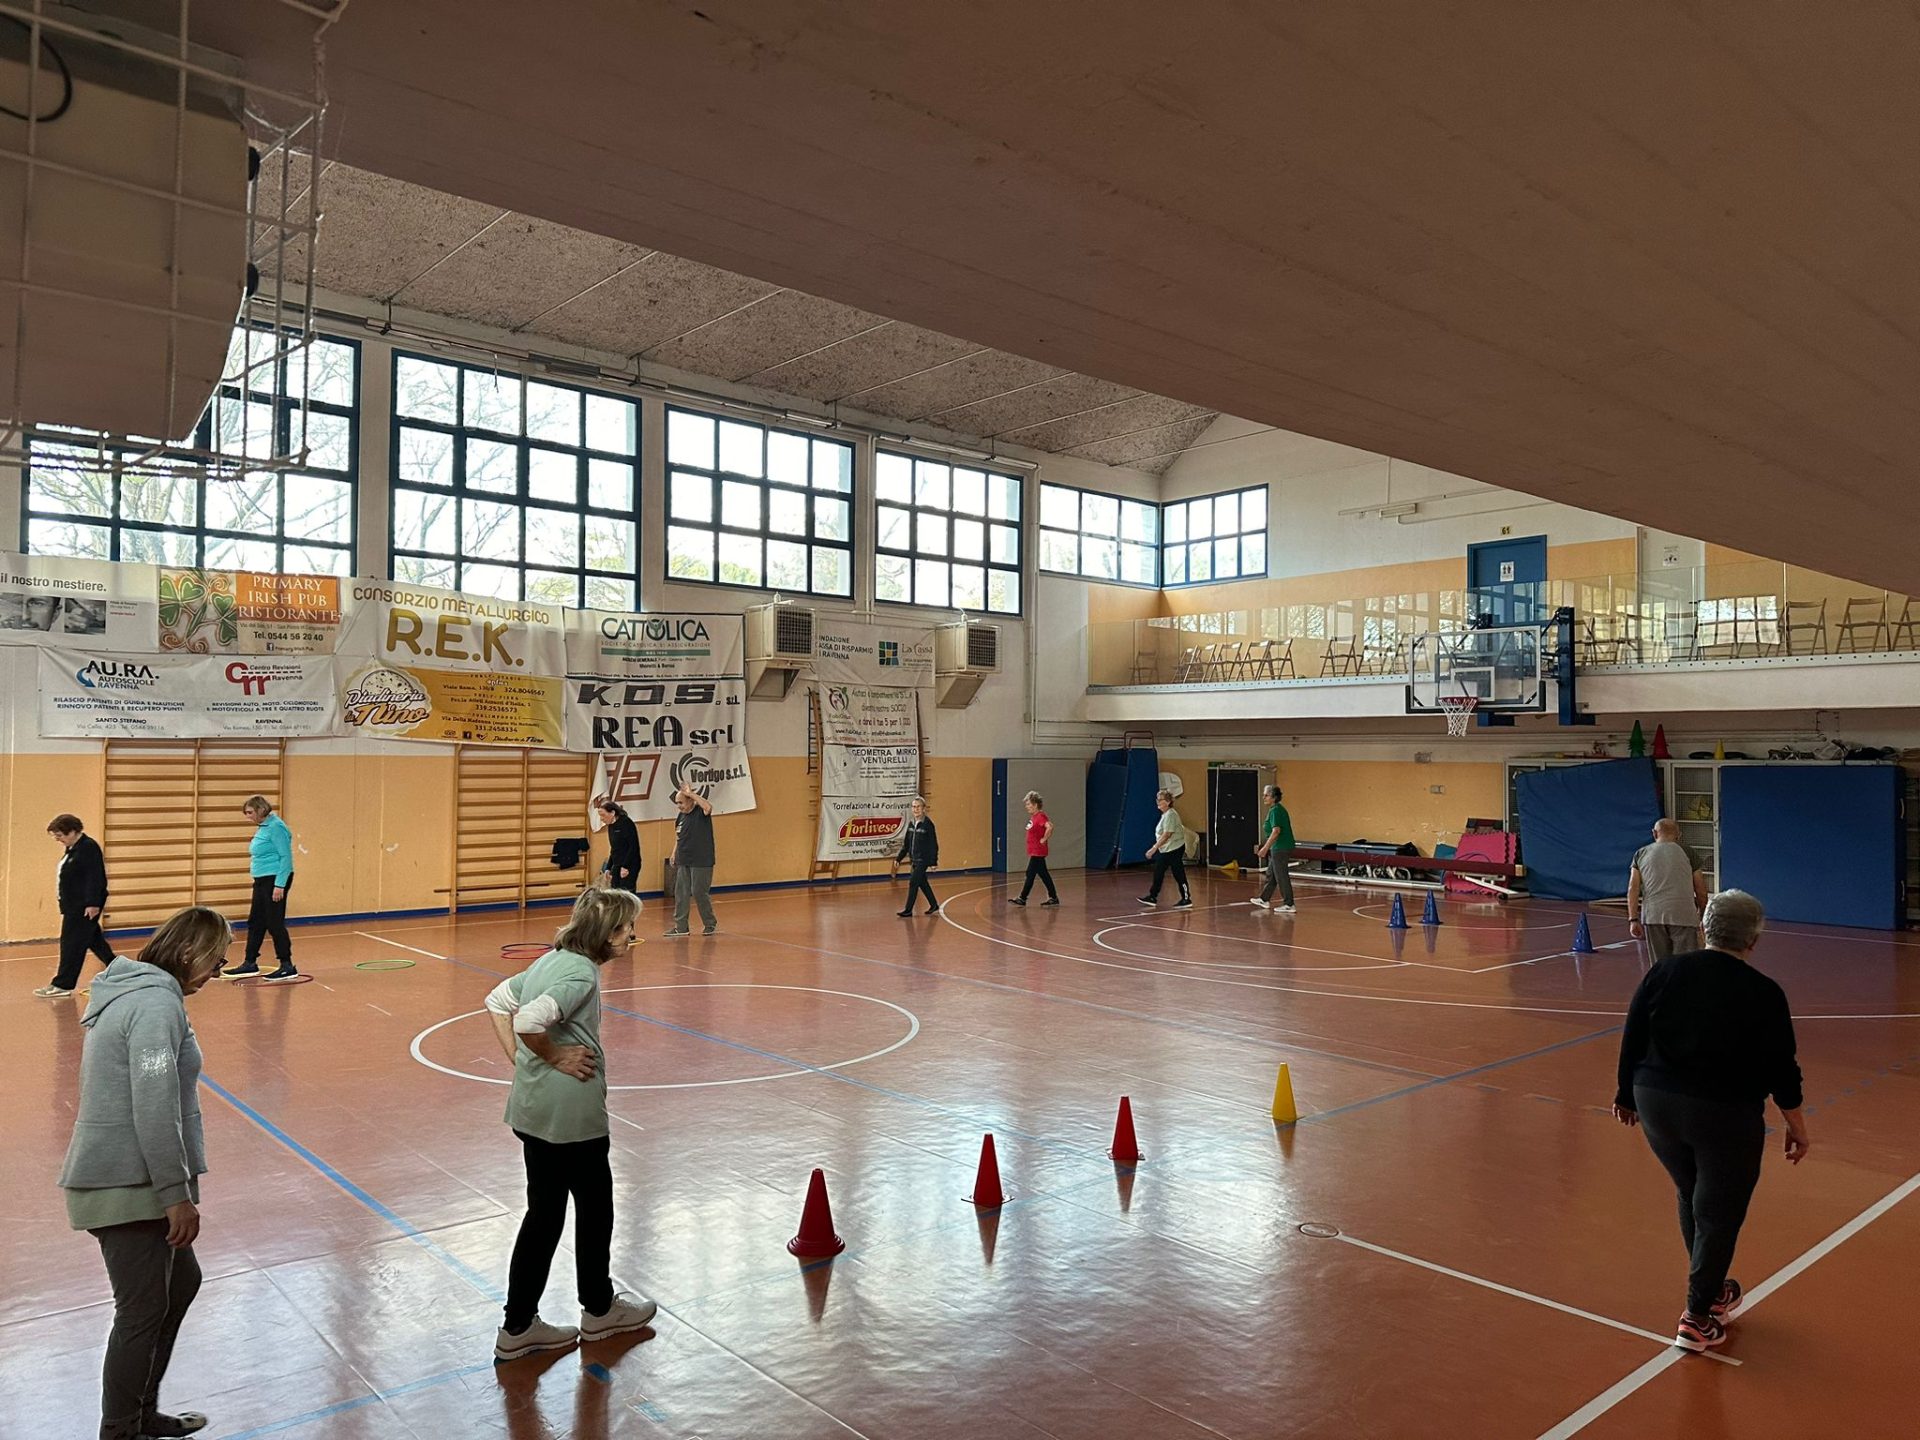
(1455, 1240)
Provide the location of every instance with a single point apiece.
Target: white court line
(1523, 1295)
(1557, 955)
(1100, 940)
(381, 939)
(1660, 1364)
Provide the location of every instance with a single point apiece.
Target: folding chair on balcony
(1231, 662)
(1596, 648)
(1906, 630)
(1341, 657)
(1188, 669)
(1808, 618)
(1863, 617)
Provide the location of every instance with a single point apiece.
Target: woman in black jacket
(623, 847)
(920, 848)
(83, 898)
(1707, 1039)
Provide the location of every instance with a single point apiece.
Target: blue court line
(413, 1232)
(377, 1397)
(1320, 1115)
(1188, 1025)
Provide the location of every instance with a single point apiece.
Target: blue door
(1507, 579)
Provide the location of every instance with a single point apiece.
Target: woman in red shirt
(1039, 832)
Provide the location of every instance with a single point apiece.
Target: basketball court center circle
(913, 1029)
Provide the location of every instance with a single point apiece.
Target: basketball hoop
(1459, 712)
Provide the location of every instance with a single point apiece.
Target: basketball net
(1459, 712)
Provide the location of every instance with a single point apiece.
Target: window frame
(1017, 522)
(461, 434)
(767, 486)
(1264, 531)
(1041, 529)
(190, 456)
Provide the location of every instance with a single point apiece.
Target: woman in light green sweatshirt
(133, 1170)
(1168, 851)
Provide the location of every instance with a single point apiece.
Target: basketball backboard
(1501, 667)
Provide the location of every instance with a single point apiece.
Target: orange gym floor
(1495, 1257)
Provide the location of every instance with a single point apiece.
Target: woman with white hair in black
(1708, 1038)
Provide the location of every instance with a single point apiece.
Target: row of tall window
(529, 489)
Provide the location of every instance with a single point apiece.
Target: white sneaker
(53, 992)
(536, 1337)
(1260, 904)
(628, 1312)
(1283, 909)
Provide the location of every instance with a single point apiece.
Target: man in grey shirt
(1665, 893)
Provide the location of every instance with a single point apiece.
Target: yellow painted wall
(33, 790)
(1390, 800)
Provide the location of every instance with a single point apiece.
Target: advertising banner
(399, 702)
(865, 715)
(861, 829)
(655, 647)
(663, 732)
(421, 627)
(245, 612)
(856, 652)
(167, 697)
(869, 770)
(81, 604)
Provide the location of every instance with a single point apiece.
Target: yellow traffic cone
(1231, 869)
(1284, 1110)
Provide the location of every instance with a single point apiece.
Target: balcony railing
(1676, 617)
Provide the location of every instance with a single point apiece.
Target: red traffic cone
(1126, 1149)
(816, 1239)
(987, 1193)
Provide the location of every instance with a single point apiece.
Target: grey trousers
(153, 1285)
(1277, 875)
(691, 883)
(1665, 940)
(1711, 1149)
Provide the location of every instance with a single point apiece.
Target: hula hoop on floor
(395, 963)
(302, 978)
(523, 952)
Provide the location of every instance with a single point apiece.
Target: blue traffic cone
(1432, 915)
(1582, 938)
(1398, 919)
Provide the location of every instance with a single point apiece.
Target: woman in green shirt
(1276, 841)
(1168, 851)
(548, 1021)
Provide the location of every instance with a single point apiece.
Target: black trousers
(1163, 861)
(78, 935)
(153, 1284)
(584, 1171)
(1037, 870)
(1712, 1150)
(268, 916)
(916, 885)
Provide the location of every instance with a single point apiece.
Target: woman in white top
(1168, 852)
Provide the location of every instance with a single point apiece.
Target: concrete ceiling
(1648, 258)
(419, 250)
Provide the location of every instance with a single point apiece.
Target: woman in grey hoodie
(133, 1171)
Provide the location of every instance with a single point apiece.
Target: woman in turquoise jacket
(270, 861)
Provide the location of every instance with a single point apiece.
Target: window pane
(329, 440)
(786, 458)
(740, 449)
(930, 533)
(930, 583)
(553, 588)
(493, 467)
(1176, 560)
(691, 498)
(491, 402)
(225, 552)
(1003, 497)
(66, 482)
(689, 553)
(689, 440)
(893, 477)
(425, 456)
(970, 587)
(894, 528)
(969, 492)
(1253, 555)
(553, 537)
(243, 427)
(609, 484)
(1004, 544)
(1060, 508)
(1176, 524)
(315, 560)
(1100, 558)
(160, 499)
(741, 559)
(250, 506)
(329, 371)
(739, 506)
(1253, 509)
(499, 580)
(1137, 521)
(1100, 515)
(1003, 592)
(490, 531)
(612, 425)
(1137, 564)
(609, 544)
(832, 466)
(604, 593)
(786, 513)
(931, 484)
(832, 518)
(890, 577)
(1226, 559)
(553, 413)
(1200, 561)
(970, 539)
(1060, 552)
(415, 570)
(832, 571)
(426, 390)
(423, 520)
(1226, 514)
(553, 476)
(64, 537)
(786, 565)
(159, 547)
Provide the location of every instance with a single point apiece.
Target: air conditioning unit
(118, 315)
(963, 657)
(779, 644)
(966, 649)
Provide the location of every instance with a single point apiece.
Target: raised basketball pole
(1489, 673)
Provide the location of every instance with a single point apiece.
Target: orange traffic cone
(816, 1239)
(1126, 1149)
(987, 1193)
